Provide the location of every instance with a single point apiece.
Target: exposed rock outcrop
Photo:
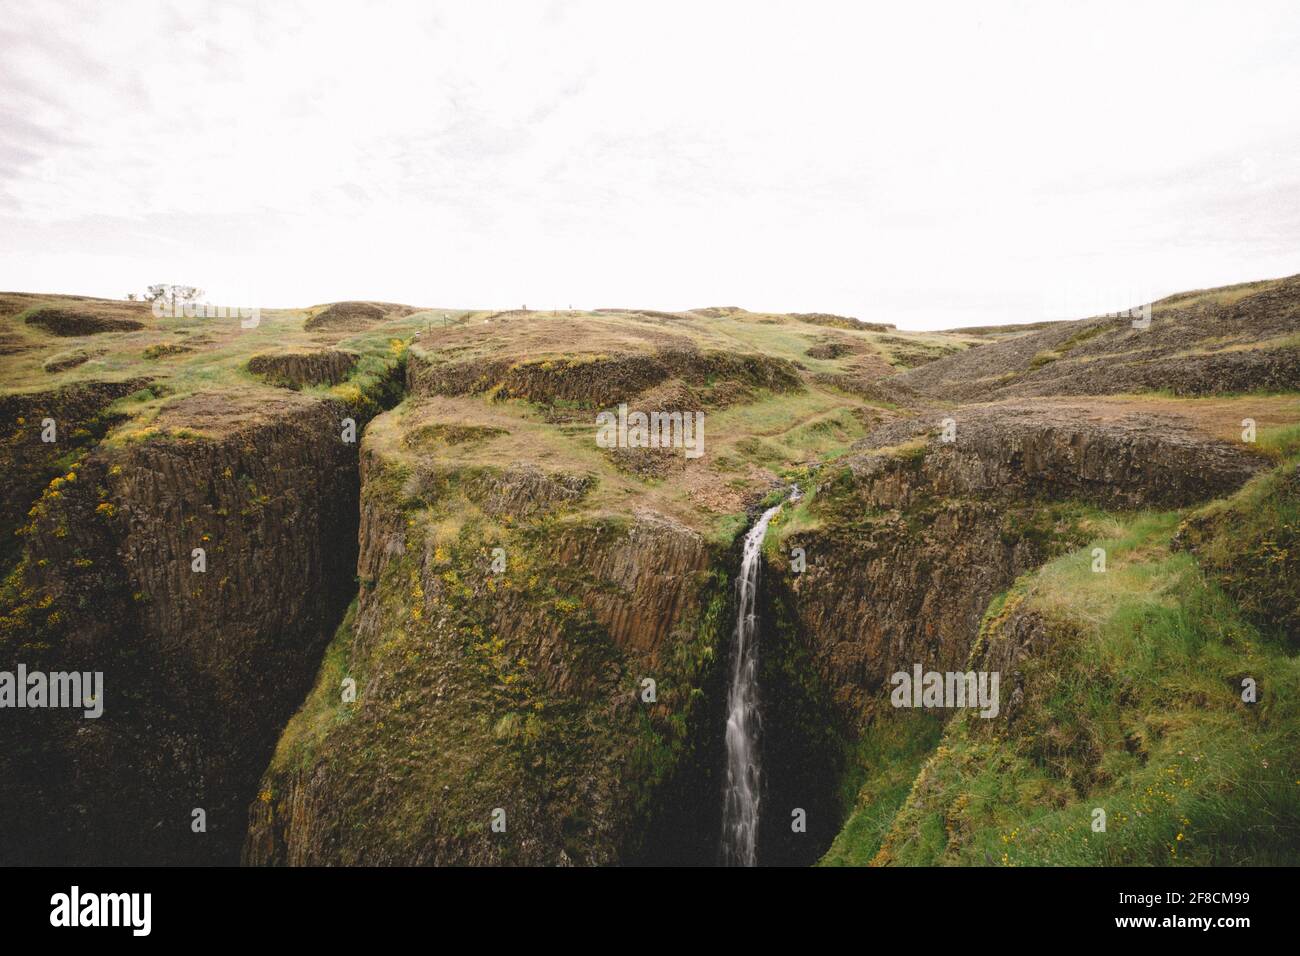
(1060, 450)
(299, 369)
(596, 380)
(64, 322)
(917, 535)
(201, 668)
(1211, 343)
(67, 360)
(842, 322)
(515, 691)
(354, 316)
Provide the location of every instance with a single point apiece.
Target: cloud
(934, 165)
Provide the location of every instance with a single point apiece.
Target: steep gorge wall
(201, 669)
(906, 542)
(909, 542)
(519, 690)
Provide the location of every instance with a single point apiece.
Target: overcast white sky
(931, 165)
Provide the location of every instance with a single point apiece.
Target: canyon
(460, 612)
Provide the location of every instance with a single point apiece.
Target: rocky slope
(1238, 339)
(948, 529)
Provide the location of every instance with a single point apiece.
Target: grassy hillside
(1130, 702)
(1239, 339)
(195, 376)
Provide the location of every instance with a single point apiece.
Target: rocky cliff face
(907, 541)
(201, 668)
(917, 534)
(511, 694)
(596, 380)
(1250, 546)
(1134, 702)
(297, 369)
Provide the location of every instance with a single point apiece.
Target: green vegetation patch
(1131, 703)
(1249, 544)
(427, 436)
(886, 760)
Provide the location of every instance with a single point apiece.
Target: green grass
(888, 757)
(217, 351)
(324, 707)
(1048, 356)
(1279, 442)
(1132, 704)
(1250, 543)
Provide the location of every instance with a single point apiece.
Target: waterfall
(742, 795)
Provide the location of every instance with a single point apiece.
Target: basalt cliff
(366, 587)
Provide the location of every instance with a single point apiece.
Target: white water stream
(743, 794)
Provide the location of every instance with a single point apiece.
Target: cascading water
(742, 794)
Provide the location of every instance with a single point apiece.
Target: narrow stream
(742, 794)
